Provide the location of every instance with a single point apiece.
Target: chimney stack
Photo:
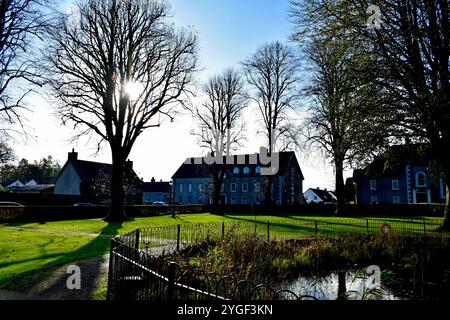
(153, 179)
(129, 165)
(72, 155)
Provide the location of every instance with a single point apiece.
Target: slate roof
(156, 187)
(90, 170)
(325, 195)
(392, 162)
(252, 161)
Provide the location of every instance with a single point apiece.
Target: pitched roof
(156, 187)
(325, 195)
(189, 169)
(90, 170)
(392, 162)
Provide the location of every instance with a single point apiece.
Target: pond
(354, 285)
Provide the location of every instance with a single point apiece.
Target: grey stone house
(243, 183)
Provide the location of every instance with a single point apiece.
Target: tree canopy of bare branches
(412, 50)
(21, 22)
(91, 66)
(272, 73)
(221, 128)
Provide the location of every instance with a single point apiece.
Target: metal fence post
(223, 230)
(136, 240)
(178, 237)
(268, 230)
(316, 227)
(171, 282)
(367, 226)
(110, 273)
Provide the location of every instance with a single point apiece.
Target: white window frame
(424, 181)
(373, 199)
(246, 170)
(246, 187)
(236, 170)
(200, 187)
(258, 170)
(232, 187)
(257, 187)
(395, 184)
(244, 201)
(190, 187)
(373, 184)
(395, 199)
(181, 187)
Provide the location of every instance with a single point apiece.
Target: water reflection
(341, 285)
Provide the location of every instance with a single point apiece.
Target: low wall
(52, 213)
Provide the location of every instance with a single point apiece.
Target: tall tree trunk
(218, 174)
(446, 223)
(268, 191)
(117, 213)
(440, 154)
(340, 187)
(342, 289)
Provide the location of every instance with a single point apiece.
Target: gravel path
(52, 284)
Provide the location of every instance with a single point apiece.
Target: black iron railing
(139, 270)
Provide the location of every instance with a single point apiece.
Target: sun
(134, 89)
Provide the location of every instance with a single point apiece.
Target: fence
(139, 271)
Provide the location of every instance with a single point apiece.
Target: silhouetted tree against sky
(220, 121)
(340, 120)
(119, 46)
(272, 73)
(21, 22)
(412, 49)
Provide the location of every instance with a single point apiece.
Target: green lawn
(26, 247)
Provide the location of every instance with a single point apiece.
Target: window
(190, 187)
(233, 187)
(374, 200)
(236, 170)
(233, 199)
(396, 199)
(257, 187)
(421, 179)
(395, 184)
(244, 187)
(246, 170)
(200, 188)
(373, 184)
(222, 187)
(244, 200)
(258, 170)
(181, 188)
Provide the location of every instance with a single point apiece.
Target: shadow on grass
(50, 282)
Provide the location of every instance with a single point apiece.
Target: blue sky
(229, 32)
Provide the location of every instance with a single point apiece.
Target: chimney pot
(72, 155)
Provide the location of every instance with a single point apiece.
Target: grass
(26, 247)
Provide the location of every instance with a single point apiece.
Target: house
(88, 178)
(243, 181)
(13, 184)
(317, 195)
(156, 192)
(404, 174)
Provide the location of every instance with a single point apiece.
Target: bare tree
(220, 125)
(6, 153)
(341, 122)
(21, 22)
(272, 74)
(119, 45)
(411, 42)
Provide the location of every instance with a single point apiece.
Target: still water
(353, 285)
